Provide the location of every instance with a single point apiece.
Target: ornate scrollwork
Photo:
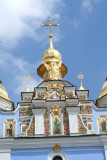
(56, 148)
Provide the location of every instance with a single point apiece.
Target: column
(39, 121)
(73, 119)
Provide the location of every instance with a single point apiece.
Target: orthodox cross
(27, 80)
(81, 77)
(50, 25)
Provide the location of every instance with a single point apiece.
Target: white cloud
(88, 5)
(19, 18)
(17, 69)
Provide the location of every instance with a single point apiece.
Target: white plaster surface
(39, 124)
(5, 154)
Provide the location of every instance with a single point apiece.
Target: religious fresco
(85, 121)
(70, 95)
(54, 95)
(81, 128)
(87, 109)
(41, 95)
(102, 121)
(27, 99)
(55, 92)
(35, 107)
(82, 97)
(89, 127)
(56, 125)
(24, 128)
(46, 122)
(10, 128)
(31, 130)
(27, 111)
(25, 120)
(65, 121)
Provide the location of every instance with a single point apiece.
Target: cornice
(46, 142)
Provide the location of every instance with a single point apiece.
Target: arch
(54, 154)
(57, 158)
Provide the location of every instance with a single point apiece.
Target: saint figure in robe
(56, 126)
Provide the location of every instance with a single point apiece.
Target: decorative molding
(53, 154)
(57, 148)
(47, 142)
(39, 111)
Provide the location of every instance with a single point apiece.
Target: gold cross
(49, 25)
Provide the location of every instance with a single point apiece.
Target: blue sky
(81, 39)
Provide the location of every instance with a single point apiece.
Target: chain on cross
(50, 25)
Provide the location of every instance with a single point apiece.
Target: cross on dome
(28, 80)
(50, 25)
(81, 77)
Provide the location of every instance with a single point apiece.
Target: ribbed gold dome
(3, 92)
(51, 55)
(104, 89)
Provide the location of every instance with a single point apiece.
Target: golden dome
(3, 92)
(104, 89)
(51, 55)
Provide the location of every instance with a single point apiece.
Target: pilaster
(73, 119)
(39, 121)
(5, 154)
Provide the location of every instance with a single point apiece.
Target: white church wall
(5, 154)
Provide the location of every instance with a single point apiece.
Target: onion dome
(3, 92)
(52, 67)
(104, 89)
(51, 55)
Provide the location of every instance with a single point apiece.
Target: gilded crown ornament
(56, 148)
(55, 109)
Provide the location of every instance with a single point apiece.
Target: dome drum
(45, 74)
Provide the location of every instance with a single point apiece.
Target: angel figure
(54, 70)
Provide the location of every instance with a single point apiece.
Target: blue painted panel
(95, 119)
(75, 154)
(31, 154)
(14, 116)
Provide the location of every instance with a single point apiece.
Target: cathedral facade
(56, 121)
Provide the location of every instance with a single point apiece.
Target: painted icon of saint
(103, 125)
(56, 126)
(9, 129)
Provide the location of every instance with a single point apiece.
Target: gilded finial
(81, 77)
(27, 80)
(0, 82)
(50, 25)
